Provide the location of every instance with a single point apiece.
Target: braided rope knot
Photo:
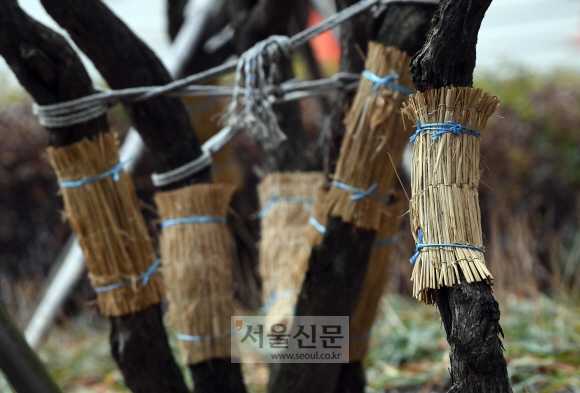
(257, 115)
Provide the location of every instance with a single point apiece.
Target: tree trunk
(47, 67)
(175, 16)
(331, 286)
(124, 61)
(19, 363)
(469, 312)
(52, 72)
(355, 34)
(405, 27)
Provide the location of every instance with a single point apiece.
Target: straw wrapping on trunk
(377, 275)
(204, 115)
(103, 210)
(196, 247)
(286, 199)
(374, 140)
(444, 209)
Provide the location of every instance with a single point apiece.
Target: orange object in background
(325, 46)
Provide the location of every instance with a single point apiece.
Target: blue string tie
(385, 242)
(193, 220)
(274, 297)
(443, 128)
(317, 225)
(360, 338)
(360, 194)
(187, 337)
(275, 199)
(111, 172)
(386, 82)
(144, 278)
(421, 246)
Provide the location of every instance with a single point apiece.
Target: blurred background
(528, 55)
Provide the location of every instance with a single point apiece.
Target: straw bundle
(106, 218)
(204, 115)
(376, 278)
(197, 268)
(445, 181)
(375, 135)
(287, 198)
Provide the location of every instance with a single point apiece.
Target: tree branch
(469, 312)
(448, 56)
(47, 67)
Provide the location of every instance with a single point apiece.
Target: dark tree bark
(331, 286)
(256, 20)
(52, 72)
(125, 61)
(47, 67)
(140, 347)
(469, 312)
(405, 27)
(19, 363)
(355, 34)
(175, 16)
(448, 56)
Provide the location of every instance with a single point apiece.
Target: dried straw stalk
(284, 228)
(375, 281)
(445, 181)
(197, 267)
(375, 135)
(106, 218)
(204, 114)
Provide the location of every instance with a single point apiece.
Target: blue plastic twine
(443, 128)
(114, 172)
(386, 82)
(385, 242)
(274, 199)
(377, 244)
(193, 220)
(316, 224)
(143, 277)
(274, 298)
(360, 338)
(421, 246)
(360, 194)
(186, 337)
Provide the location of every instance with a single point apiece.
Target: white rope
(76, 111)
(182, 172)
(55, 116)
(257, 114)
(258, 92)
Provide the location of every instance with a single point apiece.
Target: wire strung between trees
(259, 92)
